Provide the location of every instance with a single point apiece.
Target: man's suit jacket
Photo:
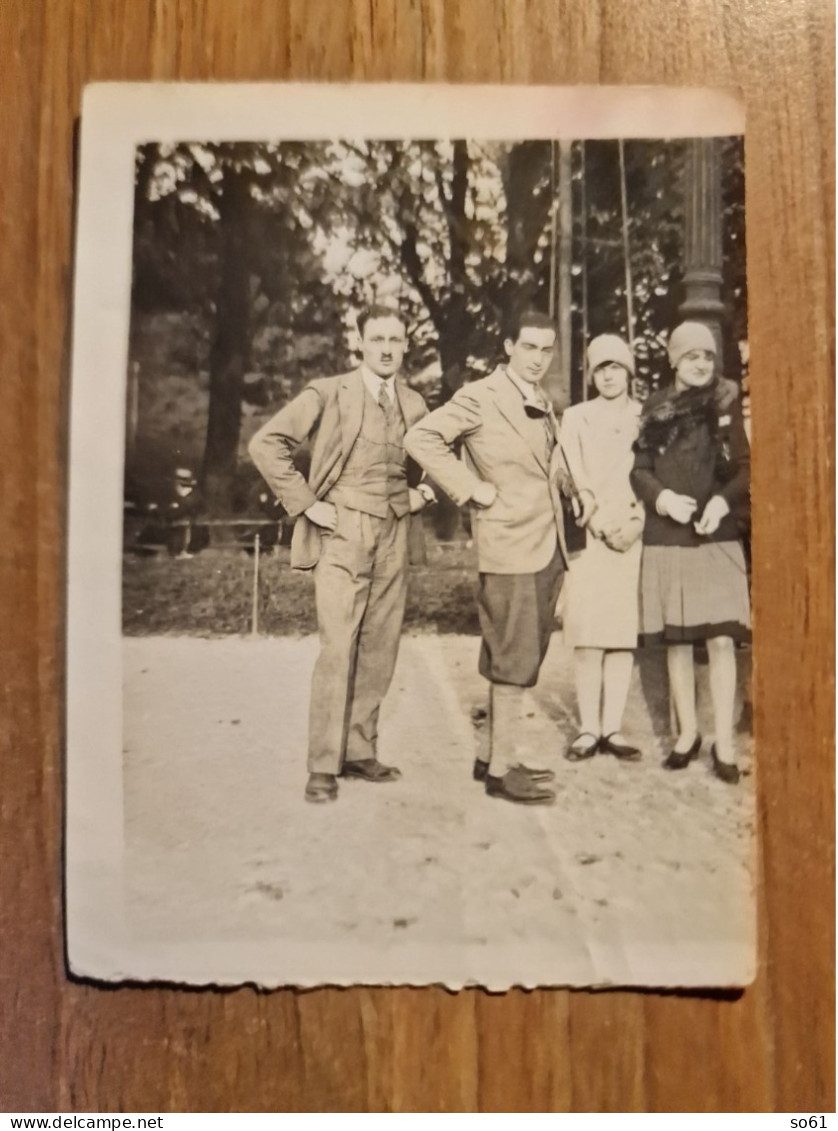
(518, 532)
(329, 411)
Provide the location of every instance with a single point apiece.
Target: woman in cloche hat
(600, 617)
(691, 470)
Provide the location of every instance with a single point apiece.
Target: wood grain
(68, 1046)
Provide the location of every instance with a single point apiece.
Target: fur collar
(670, 415)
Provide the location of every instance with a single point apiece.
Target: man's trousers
(360, 587)
(517, 617)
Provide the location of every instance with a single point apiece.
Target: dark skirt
(690, 593)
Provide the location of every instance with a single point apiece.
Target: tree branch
(409, 255)
(454, 208)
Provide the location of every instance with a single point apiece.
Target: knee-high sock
(507, 714)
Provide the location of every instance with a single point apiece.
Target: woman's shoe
(619, 749)
(726, 771)
(680, 759)
(578, 753)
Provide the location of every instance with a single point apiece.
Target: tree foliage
(269, 249)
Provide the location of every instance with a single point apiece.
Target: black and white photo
(409, 633)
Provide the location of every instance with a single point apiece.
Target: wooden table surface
(74, 1047)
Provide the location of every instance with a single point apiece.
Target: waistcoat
(373, 479)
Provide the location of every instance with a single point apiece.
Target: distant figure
(184, 536)
(353, 514)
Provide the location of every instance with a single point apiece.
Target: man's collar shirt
(374, 384)
(533, 395)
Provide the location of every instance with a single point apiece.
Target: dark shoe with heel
(726, 771)
(620, 750)
(680, 759)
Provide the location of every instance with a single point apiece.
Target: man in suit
(352, 530)
(508, 474)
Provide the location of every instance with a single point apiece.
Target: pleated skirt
(690, 593)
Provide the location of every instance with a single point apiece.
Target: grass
(211, 594)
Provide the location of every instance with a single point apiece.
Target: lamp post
(703, 238)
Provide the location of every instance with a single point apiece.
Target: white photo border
(116, 119)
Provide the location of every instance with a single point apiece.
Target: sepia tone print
(436, 637)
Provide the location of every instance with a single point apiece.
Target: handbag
(622, 529)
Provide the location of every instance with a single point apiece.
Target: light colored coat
(519, 531)
(329, 412)
(597, 440)
(600, 594)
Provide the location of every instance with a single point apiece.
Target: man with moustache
(508, 474)
(352, 530)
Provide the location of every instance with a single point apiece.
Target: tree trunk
(229, 354)
(527, 186)
(453, 323)
(453, 356)
(557, 382)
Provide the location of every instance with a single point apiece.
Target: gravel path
(636, 876)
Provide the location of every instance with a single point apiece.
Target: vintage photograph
(432, 552)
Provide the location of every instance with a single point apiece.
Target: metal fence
(254, 524)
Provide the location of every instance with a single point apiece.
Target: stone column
(703, 238)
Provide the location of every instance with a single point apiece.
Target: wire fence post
(254, 615)
(626, 247)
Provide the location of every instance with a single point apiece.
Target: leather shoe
(321, 787)
(726, 771)
(619, 749)
(577, 753)
(370, 769)
(680, 759)
(481, 771)
(519, 787)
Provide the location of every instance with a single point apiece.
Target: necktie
(385, 401)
